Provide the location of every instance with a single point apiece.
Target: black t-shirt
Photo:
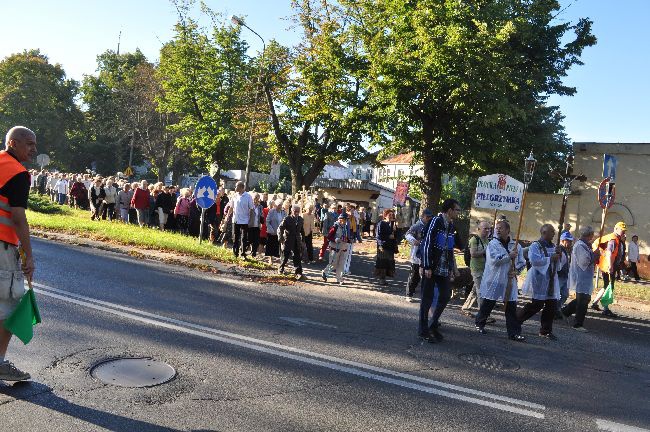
(16, 190)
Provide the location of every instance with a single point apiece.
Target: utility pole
(240, 22)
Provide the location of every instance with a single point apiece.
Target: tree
(464, 84)
(37, 94)
(314, 94)
(106, 98)
(207, 81)
(151, 128)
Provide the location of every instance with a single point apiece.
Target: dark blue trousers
(435, 288)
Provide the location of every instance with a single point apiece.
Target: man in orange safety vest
(20, 146)
(612, 256)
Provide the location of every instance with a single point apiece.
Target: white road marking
(633, 329)
(329, 362)
(300, 322)
(607, 425)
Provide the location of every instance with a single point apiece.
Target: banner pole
(506, 297)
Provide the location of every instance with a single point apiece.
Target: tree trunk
(432, 169)
(432, 183)
(297, 179)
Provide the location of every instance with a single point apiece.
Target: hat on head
(566, 236)
(621, 225)
(343, 216)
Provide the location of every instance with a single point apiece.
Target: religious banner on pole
(498, 192)
(401, 192)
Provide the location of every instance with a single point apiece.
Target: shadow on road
(40, 394)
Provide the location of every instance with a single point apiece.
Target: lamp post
(240, 22)
(529, 170)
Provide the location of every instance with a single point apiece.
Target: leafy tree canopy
(36, 94)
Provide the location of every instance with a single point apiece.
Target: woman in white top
(110, 198)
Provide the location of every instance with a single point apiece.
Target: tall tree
(37, 94)
(106, 96)
(464, 84)
(150, 128)
(314, 94)
(206, 80)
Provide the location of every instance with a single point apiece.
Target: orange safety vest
(604, 260)
(9, 167)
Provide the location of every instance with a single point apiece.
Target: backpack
(331, 235)
(466, 254)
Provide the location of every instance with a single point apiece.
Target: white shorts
(11, 280)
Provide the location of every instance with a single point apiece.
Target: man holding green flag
(20, 146)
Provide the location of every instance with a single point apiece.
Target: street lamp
(240, 22)
(529, 168)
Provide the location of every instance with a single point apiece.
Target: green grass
(77, 222)
(631, 290)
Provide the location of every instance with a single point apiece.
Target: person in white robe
(581, 277)
(498, 273)
(542, 283)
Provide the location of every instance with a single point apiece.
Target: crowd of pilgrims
(263, 229)
(281, 229)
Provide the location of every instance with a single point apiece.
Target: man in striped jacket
(439, 267)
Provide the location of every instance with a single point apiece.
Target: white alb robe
(538, 277)
(497, 267)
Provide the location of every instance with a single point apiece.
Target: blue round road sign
(602, 194)
(205, 192)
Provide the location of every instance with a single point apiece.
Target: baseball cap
(566, 236)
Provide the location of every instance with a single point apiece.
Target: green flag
(608, 296)
(24, 317)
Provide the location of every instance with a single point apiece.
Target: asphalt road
(260, 357)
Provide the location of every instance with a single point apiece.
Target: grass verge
(77, 222)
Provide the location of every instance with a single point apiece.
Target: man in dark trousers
(439, 267)
(542, 284)
(290, 234)
(20, 146)
(414, 236)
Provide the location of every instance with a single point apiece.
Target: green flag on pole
(24, 318)
(608, 297)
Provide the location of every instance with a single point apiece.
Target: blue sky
(613, 86)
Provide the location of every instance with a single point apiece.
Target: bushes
(42, 204)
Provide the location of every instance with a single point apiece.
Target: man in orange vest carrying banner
(20, 146)
(612, 255)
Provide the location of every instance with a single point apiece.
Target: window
(400, 174)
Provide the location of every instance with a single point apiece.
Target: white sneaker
(9, 372)
(580, 329)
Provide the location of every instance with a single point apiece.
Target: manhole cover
(489, 362)
(133, 372)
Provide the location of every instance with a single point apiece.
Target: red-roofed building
(397, 168)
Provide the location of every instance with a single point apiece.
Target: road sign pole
(609, 196)
(201, 228)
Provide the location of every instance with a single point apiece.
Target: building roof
(400, 159)
(336, 164)
(615, 148)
